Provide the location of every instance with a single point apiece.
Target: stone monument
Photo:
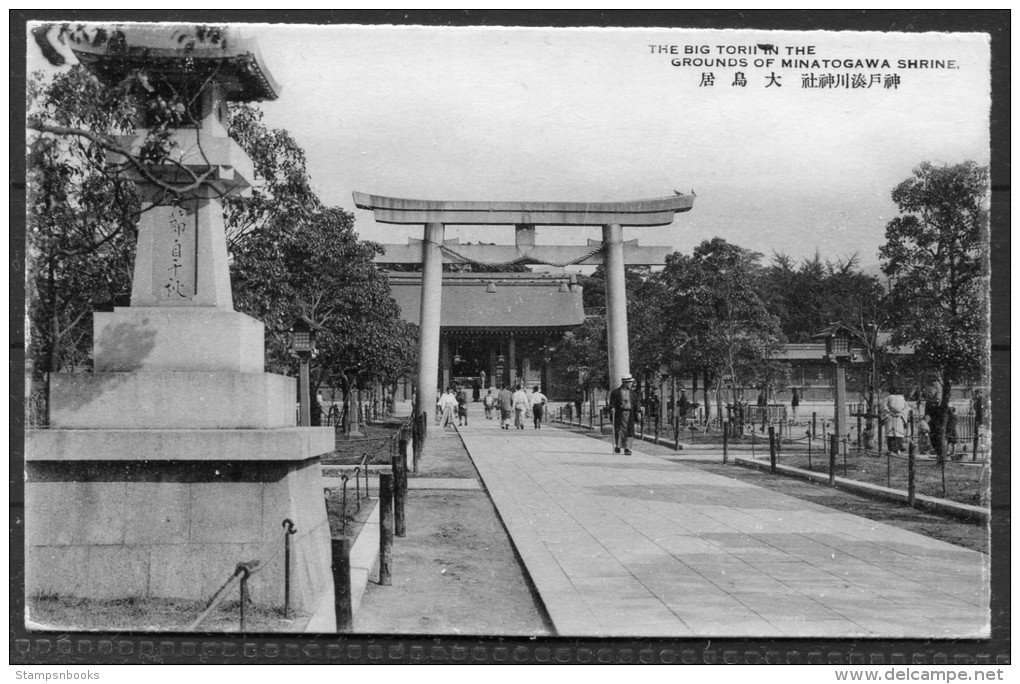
(178, 457)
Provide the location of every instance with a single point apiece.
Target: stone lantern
(190, 456)
(302, 347)
(839, 350)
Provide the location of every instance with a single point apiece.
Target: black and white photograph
(506, 337)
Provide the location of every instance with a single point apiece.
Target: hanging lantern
(302, 338)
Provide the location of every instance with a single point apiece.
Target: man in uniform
(626, 409)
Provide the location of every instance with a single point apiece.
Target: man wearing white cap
(626, 409)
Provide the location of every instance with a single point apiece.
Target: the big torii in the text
(612, 252)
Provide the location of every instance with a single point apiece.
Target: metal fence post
(974, 455)
(725, 441)
(833, 450)
(943, 464)
(888, 469)
(385, 528)
(340, 548)
(399, 491)
(910, 475)
(401, 452)
(881, 435)
(245, 572)
(289, 530)
(772, 449)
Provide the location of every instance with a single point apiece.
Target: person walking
(951, 438)
(895, 420)
(489, 402)
(462, 402)
(625, 406)
(682, 407)
(794, 403)
(521, 405)
(447, 406)
(538, 402)
(578, 402)
(924, 435)
(506, 407)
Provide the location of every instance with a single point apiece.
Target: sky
(615, 114)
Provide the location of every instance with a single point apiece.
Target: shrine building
(499, 327)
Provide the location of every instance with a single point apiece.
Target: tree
(294, 258)
(936, 253)
(718, 320)
(290, 255)
(151, 97)
(585, 351)
(283, 201)
(81, 218)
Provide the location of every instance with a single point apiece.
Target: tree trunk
(718, 397)
(943, 442)
(694, 387)
(345, 419)
(872, 427)
(315, 411)
(704, 390)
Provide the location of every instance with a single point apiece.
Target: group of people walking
(625, 405)
(516, 405)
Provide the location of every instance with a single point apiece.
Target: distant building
(498, 327)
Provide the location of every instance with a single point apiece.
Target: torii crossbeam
(613, 252)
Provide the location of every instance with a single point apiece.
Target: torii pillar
(431, 252)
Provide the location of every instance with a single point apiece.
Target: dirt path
(455, 572)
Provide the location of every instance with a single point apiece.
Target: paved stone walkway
(639, 546)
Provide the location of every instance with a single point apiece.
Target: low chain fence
(961, 476)
(244, 572)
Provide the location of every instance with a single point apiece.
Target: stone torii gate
(612, 252)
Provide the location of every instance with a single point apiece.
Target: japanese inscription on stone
(174, 253)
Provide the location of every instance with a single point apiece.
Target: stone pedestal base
(172, 400)
(170, 513)
(152, 339)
